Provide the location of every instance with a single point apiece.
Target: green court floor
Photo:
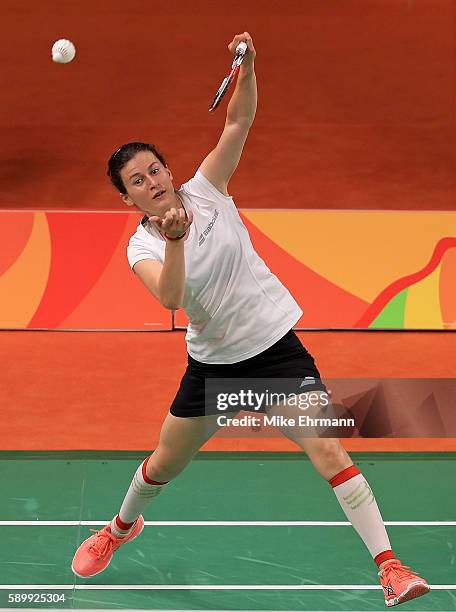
(196, 556)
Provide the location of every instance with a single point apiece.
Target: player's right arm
(220, 164)
(166, 281)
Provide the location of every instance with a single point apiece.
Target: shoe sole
(107, 565)
(416, 589)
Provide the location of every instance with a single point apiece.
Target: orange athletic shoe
(400, 583)
(95, 554)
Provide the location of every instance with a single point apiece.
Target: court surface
(236, 531)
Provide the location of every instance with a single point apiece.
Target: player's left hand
(250, 53)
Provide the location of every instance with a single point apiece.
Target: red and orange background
(347, 269)
(347, 185)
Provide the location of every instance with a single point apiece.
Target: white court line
(208, 587)
(161, 610)
(231, 523)
(167, 610)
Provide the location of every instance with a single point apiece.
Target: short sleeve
(138, 249)
(203, 192)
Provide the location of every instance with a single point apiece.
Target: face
(149, 184)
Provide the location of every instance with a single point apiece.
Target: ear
(169, 172)
(126, 199)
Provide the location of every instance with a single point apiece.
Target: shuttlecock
(63, 51)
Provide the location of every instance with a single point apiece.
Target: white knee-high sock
(358, 502)
(141, 493)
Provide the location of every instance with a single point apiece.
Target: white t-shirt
(236, 307)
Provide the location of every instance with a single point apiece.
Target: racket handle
(241, 48)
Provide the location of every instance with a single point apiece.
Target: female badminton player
(191, 249)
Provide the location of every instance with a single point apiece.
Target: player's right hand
(251, 52)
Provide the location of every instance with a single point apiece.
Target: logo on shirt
(205, 232)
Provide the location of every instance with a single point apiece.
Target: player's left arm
(219, 166)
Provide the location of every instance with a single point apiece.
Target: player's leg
(358, 502)
(180, 439)
(333, 463)
(352, 491)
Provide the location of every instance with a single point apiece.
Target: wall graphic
(347, 269)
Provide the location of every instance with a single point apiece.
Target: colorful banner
(69, 270)
(347, 269)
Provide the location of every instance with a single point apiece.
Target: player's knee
(163, 465)
(162, 473)
(331, 454)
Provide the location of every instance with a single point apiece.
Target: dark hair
(122, 156)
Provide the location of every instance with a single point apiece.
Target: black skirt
(286, 359)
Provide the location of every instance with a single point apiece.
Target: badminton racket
(238, 58)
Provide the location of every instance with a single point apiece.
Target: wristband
(176, 238)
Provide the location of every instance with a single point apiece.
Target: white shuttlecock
(63, 51)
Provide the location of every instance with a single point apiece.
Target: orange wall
(70, 391)
(356, 99)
